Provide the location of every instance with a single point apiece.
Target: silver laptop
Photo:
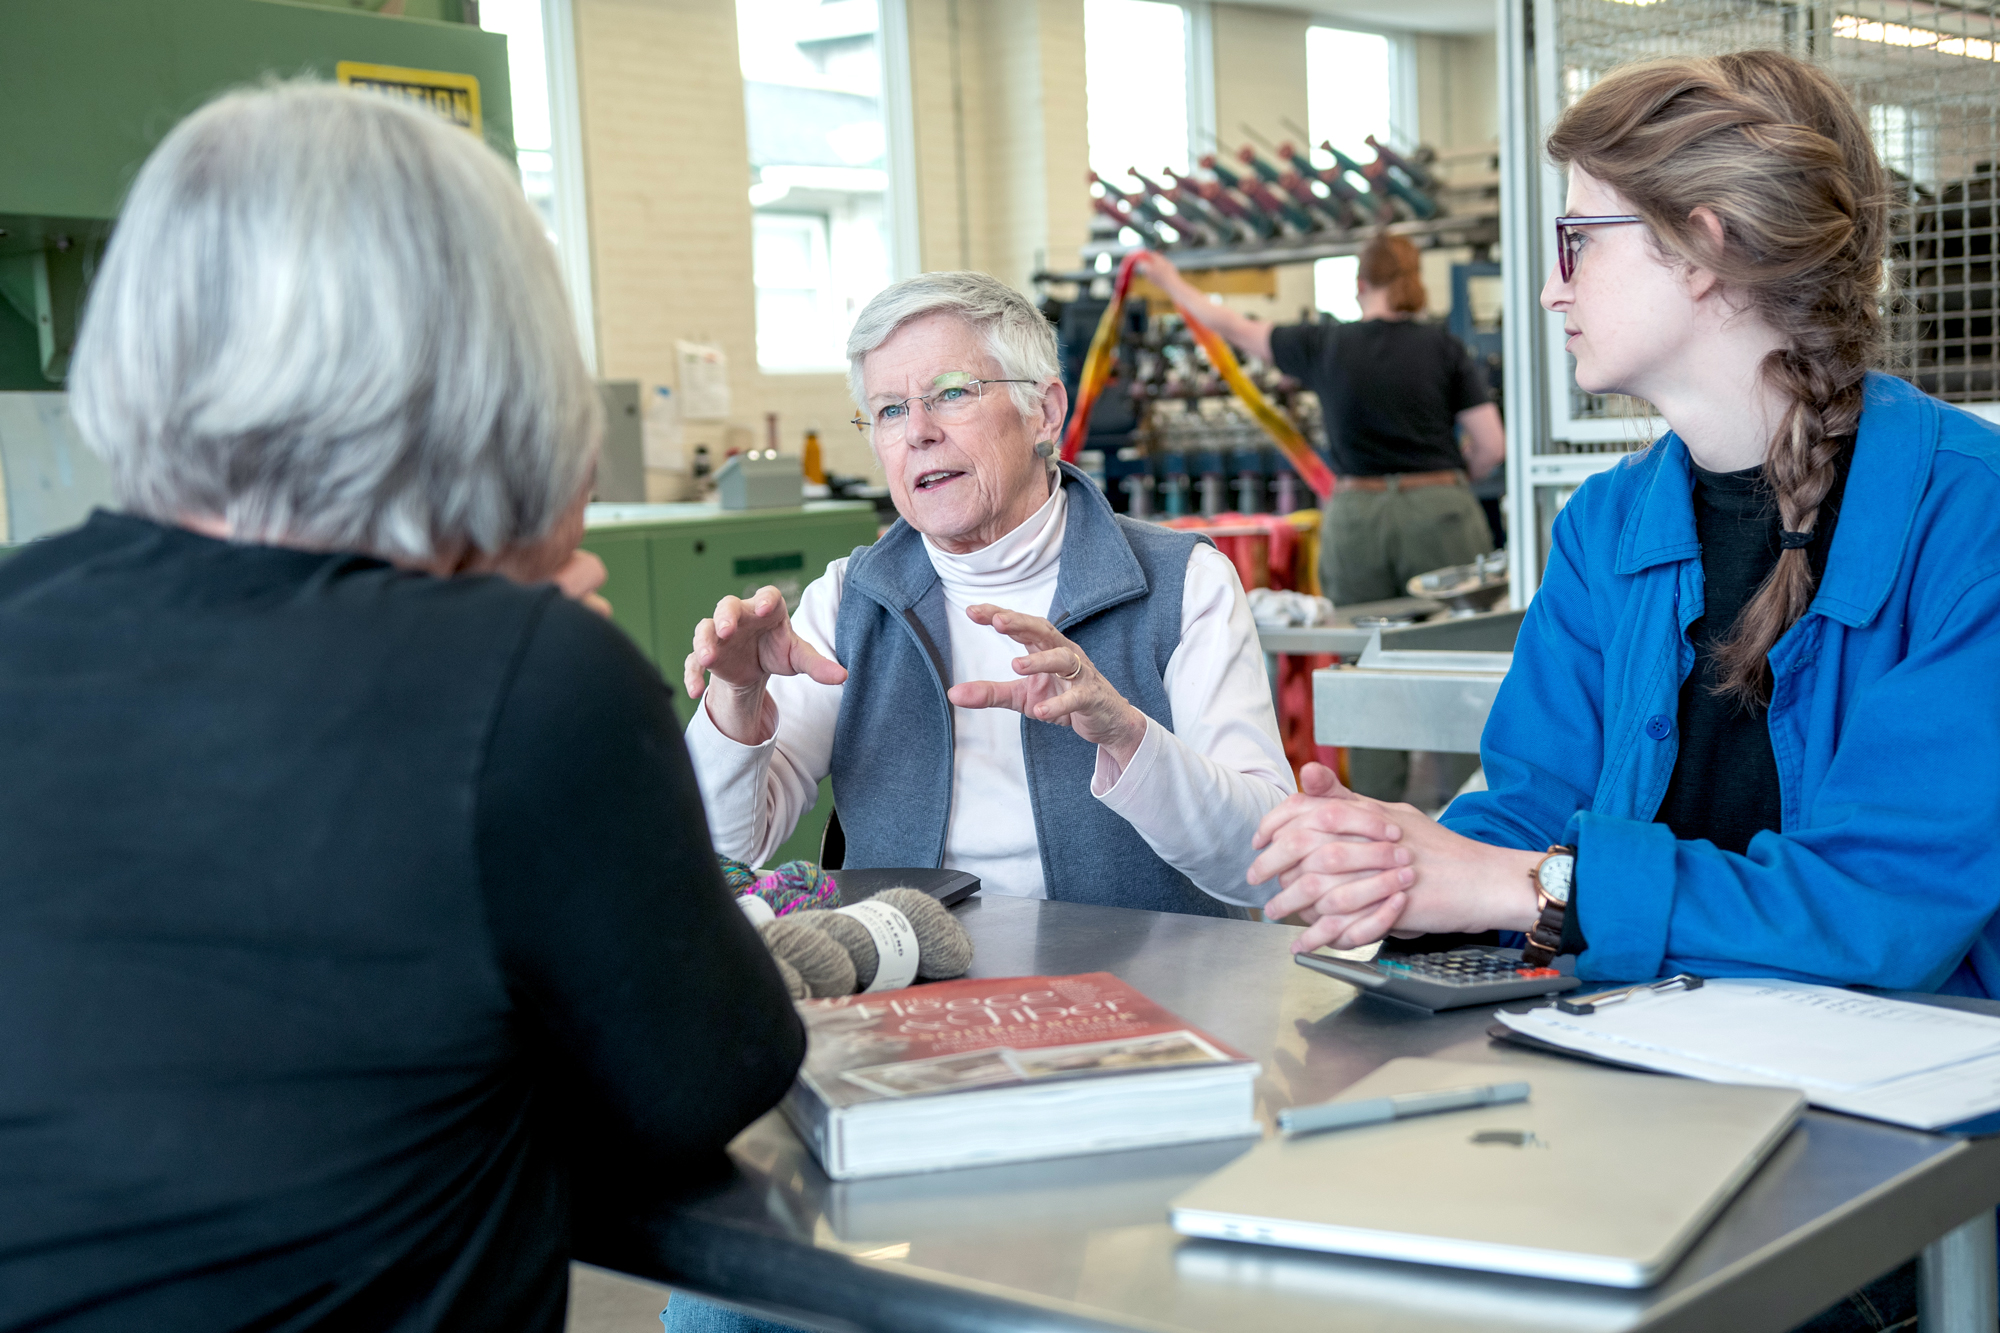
(1600, 1176)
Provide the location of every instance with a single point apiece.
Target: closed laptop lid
(1600, 1176)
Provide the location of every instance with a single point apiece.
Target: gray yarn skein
(851, 936)
(795, 985)
(817, 956)
(943, 948)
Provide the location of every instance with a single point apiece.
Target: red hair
(1390, 264)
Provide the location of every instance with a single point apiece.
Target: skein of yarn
(853, 937)
(817, 957)
(795, 985)
(794, 886)
(797, 886)
(943, 948)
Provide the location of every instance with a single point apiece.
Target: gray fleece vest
(1118, 597)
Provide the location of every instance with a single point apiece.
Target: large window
(819, 192)
(1350, 94)
(548, 140)
(527, 73)
(1135, 58)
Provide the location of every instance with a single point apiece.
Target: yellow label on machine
(453, 96)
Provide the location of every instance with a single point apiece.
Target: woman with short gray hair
(1013, 681)
(316, 860)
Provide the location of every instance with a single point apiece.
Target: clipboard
(1922, 1097)
(1978, 1127)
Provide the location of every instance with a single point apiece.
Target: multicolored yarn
(797, 886)
(792, 887)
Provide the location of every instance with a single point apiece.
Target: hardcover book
(978, 1071)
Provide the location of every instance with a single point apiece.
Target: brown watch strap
(1545, 938)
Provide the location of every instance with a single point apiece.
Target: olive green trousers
(1372, 543)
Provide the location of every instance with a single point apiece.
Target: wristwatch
(1552, 876)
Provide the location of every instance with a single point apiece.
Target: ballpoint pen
(1375, 1110)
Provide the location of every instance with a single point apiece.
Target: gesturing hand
(1058, 684)
(741, 647)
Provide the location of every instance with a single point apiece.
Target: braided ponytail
(1776, 150)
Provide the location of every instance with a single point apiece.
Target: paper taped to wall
(704, 372)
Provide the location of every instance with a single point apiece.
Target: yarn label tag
(756, 909)
(895, 943)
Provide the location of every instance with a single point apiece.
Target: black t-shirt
(1725, 783)
(1724, 787)
(348, 919)
(1390, 391)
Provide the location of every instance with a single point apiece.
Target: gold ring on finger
(1075, 671)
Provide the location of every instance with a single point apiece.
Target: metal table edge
(750, 1270)
(1725, 1300)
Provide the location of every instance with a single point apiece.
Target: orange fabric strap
(1305, 460)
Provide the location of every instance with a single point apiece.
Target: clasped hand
(1356, 869)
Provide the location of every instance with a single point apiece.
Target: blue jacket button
(1659, 726)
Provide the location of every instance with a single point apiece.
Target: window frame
(566, 145)
(901, 222)
(1198, 89)
(1404, 129)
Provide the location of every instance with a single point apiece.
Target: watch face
(1554, 876)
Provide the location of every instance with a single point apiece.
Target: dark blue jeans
(1887, 1304)
(691, 1314)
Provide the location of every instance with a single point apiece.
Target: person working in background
(356, 912)
(1394, 394)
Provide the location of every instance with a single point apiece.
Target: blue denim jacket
(1885, 722)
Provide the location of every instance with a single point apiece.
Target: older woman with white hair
(346, 909)
(1013, 681)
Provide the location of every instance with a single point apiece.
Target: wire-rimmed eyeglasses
(1569, 241)
(952, 398)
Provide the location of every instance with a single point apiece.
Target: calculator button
(1537, 972)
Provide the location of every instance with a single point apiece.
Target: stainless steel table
(1083, 1243)
(1342, 638)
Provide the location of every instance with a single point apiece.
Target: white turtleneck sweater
(1195, 794)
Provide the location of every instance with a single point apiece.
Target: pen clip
(1590, 1004)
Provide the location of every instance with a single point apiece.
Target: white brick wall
(667, 168)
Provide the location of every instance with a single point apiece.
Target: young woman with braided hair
(1753, 719)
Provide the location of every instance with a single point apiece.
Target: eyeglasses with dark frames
(1569, 239)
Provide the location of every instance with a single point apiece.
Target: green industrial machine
(667, 565)
(92, 85)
